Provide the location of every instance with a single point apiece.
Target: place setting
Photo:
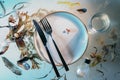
(60, 39)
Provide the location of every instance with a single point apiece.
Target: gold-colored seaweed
(101, 57)
(97, 58)
(69, 4)
(24, 29)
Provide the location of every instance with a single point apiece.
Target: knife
(44, 40)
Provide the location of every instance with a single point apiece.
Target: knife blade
(44, 40)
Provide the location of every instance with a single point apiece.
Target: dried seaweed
(83, 10)
(97, 58)
(93, 55)
(69, 4)
(11, 66)
(100, 57)
(18, 35)
(21, 35)
(14, 8)
(40, 14)
(106, 49)
(23, 4)
(3, 47)
(100, 72)
(101, 65)
(113, 35)
(31, 57)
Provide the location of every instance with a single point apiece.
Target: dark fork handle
(52, 62)
(61, 57)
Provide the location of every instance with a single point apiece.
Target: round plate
(70, 35)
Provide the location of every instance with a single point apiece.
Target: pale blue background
(93, 6)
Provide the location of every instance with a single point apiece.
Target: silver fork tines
(47, 26)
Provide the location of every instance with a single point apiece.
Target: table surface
(110, 68)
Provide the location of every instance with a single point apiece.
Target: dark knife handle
(52, 62)
(61, 57)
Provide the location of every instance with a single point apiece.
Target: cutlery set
(48, 29)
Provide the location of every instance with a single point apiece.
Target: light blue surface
(110, 69)
(8, 7)
(13, 54)
(79, 43)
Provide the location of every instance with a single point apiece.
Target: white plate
(70, 35)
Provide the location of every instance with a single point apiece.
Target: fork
(48, 29)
